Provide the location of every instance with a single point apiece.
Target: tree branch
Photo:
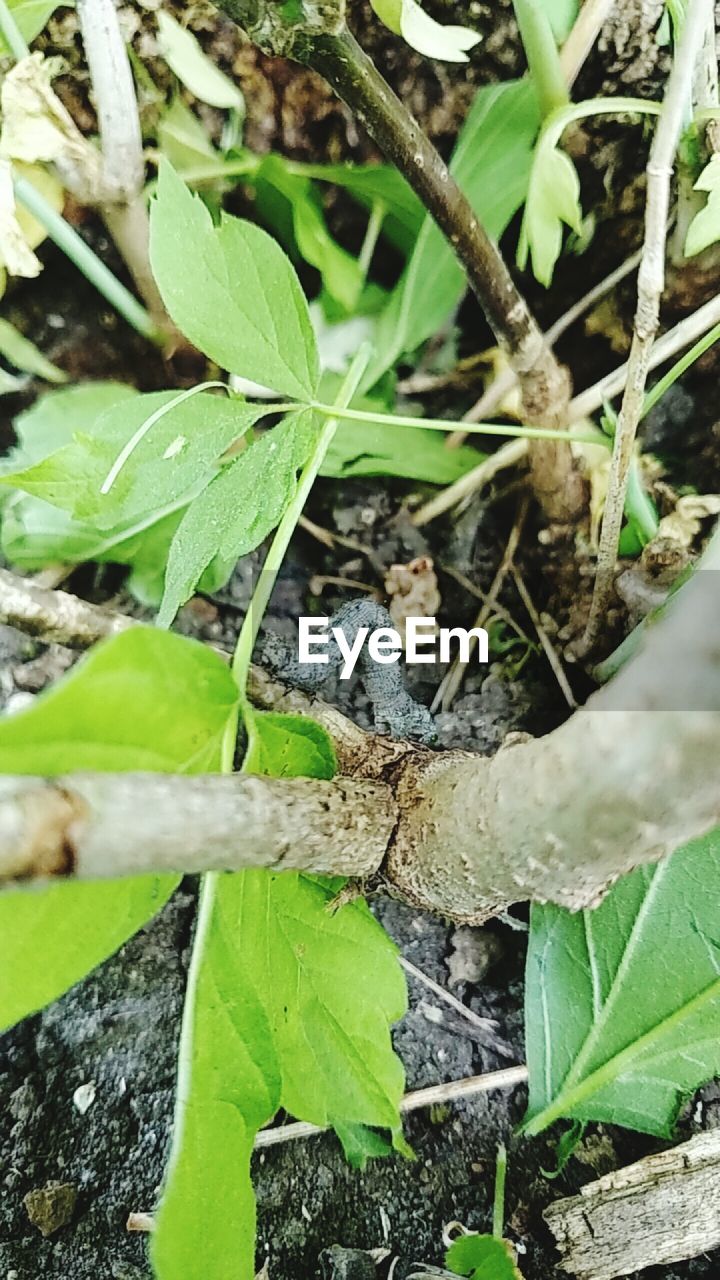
(628, 779)
(95, 826)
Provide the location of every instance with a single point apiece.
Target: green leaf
(704, 229)
(553, 198)
(198, 73)
(23, 353)
(143, 700)
(623, 1002)
(423, 33)
(55, 416)
(283, 746)
(340, 272)
(179, 453)
(562, 15)
(371, 184)
(31, 16)
(239, 508)
(376, 449)
(289, 1006)
(231, 291)
(35, 534)
(491, 162)
(183, 140)
(482, 1258)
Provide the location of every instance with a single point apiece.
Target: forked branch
(628, 779)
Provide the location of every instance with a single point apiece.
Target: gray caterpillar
(395, 712)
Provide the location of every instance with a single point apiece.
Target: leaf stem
(73, 245)
(499, 1196)
(476, 428)
(542, 55)
(12, 34)
(281, 540)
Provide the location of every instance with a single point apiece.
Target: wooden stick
(651, 284)
(455, 1091)
(660, 1210)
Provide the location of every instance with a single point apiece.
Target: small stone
(84, 1096)
(50, 1207)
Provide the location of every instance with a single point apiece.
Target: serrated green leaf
(623, 1002)
(491, 163)
(143, 700)
(287, 746)
(239, 508)
(289, 1006)
(31, 16)
(553, 198)
(231, 290)
(704, 229)
(482, 1258)
(179, 453)
(23, 353)
(197, 72)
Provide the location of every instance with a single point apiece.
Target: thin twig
(435, 1095)
(591, 19)
(545, 641)
(498, 610)
(682, 335)
(450, 684)
(483, 1024)
(508, 455)
(501, 386)
(651, 284)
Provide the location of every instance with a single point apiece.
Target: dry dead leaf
(15, 252)
(37, 127)
(413, 591)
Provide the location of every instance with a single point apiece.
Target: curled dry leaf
(37, 127)
(15, 253)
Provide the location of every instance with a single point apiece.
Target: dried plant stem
(588, 24)
(675, 340)
(121, 201)
(435, 1095)
(501, 386)
(508, 455)
(651, 283)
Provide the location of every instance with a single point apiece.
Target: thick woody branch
(121, 199)
(93, 826)
(628, 779)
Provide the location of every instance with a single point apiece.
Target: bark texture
(94, 826)
(661, 1210)
(628, 779)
